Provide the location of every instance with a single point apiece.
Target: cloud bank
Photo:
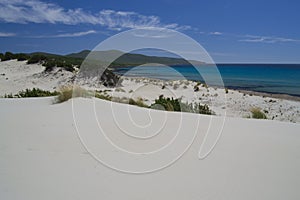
(35, 11)
(267, 39)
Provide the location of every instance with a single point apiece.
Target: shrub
(9, 95)
(226, 90)
(167, 103)
(68, 92)
(257, 114)
(68, 66)
(8, 56)
(202, 109)
(36, 59)
(103, 96)
(198, 83)
(171, 104)
(139, 102)
(22, 56)
(205, 85)
(34, 92)
(50, 64)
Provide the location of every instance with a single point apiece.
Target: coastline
(19, 76)
(244, 91)
(271, 95)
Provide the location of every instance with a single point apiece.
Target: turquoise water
(270, 78)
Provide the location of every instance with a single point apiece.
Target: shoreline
(271, 95)
(19, 76)
(244, 91)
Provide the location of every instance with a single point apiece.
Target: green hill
(129, 59)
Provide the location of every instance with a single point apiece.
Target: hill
(130, 59)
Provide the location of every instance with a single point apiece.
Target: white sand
(232, 104)
(16, 76)
(41, 157)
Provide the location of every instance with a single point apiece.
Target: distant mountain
(82, 54)
(129, 59)
(45, 54)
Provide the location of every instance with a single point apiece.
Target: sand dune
(17, 75)
(87, 148)
(42, 157)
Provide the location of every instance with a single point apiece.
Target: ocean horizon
(267, 78)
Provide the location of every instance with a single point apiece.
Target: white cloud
(35, 11)
(215, 33)
(77, 34)
(266, 39)
(2, 34)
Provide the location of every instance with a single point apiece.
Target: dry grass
(257, 113)
(70, 91)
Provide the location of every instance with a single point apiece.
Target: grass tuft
(68, 92)
(257, 113)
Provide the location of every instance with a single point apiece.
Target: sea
(267, 78)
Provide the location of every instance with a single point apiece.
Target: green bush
(167, 103)
(22, 56)
(9, 96)
(69, 67)
(1, 56)
(257, 114)
(50, 64)
(8, 56)
(36, 59)
(171, 104)
(34, 92)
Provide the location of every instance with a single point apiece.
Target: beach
(54, 150)
(20, 76)
(42, 157)
(149, 100)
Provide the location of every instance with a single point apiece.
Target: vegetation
(48, 60)
(257, 114)
(103, 96)
(10, 56)
(36, 59)
(68, 92)
(22, 56)
(139, 102)
(35, 92)
(171, 104)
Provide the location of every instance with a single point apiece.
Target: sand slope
(17, 75)
(41, 157)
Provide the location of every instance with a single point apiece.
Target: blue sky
(231, 31)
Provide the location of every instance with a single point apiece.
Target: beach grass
(257, 113)
(70, 91)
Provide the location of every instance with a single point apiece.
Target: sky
(231, 31)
